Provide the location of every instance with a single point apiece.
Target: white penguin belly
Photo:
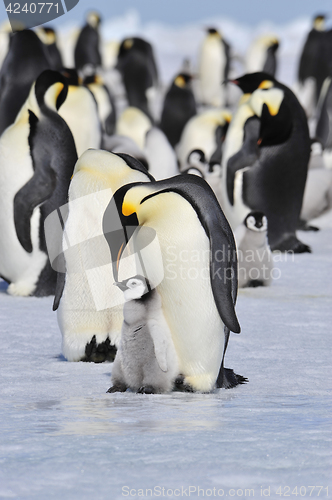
(17, 265)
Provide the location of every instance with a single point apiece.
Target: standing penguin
(105, 102)
(48, 36)
(146, 360)
(275, 183)
(137, 65)
(261, 55)
(213, 70)
(87, 50)
(254, 254)
(25, 60)
(80, 111)
(179, 106)
(324, 122)
(89, 307)
(39, 150)
(186, 217)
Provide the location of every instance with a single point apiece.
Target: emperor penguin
(179, 106)
(80, 111)
(146, 361)
(275, 182)
(261, 55)
(160, 156)
(254, 253)
(135, 124)
(199, 288)
(87, 50)
(105, 102)
(200, 132)
(323, 130)
(317, 198)
(89, 307)
(124, 144)
(49, 38)
(214, 62)
(137, 66)
(314, 66)
(25, 60)
(37, 158)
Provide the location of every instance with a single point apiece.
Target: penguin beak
(117, 239)
(121, 285)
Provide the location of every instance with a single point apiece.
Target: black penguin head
(47, 35)
(183, 80)
(252, 81)
(319, 22)
(134, 288)
(213, 31)
(94, 78)
(93, 19)
(71, 76)
(256, 221)
(45, 81)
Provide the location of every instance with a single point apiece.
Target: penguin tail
(230, 379)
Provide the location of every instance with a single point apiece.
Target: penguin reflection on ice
(146, 360)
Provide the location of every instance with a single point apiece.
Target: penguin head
(93, 19)
(252, 81)
(196, 159)
(212, 32)
(134, 288)
(71, 76)
(319, 22)
(256, 221)
(93, 79)
(183, 81)
(47, 35)
(51, 89)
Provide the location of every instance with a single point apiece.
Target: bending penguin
(254, 254)
(186, 216)
(37, 157)
(275, 182)
(89, 307)
(146, 360)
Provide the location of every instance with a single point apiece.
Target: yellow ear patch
(180, 82)
(128, 208)
(266, 84)
(128, 43)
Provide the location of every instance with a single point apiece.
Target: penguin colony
(108, 178)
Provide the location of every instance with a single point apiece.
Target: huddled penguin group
(135, 201)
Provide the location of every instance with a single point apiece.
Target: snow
(63, 437)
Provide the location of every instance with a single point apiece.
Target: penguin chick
(254, 254)
(146, 361)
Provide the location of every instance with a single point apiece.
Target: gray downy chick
(146, 361)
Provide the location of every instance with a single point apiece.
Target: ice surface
(63, 437)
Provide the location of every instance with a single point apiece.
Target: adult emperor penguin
(80, 111)
(87, 50)
(137, 65)
(323, 130)
(25, 60)
(179, 106)
(89, 307)
(213, 70)
(254, 254)
(48, 36)
(146, 361)
(261, 55)
(200, 269)
(105, 102)
(201, 133)
(312, 64)
(37, 157)
(275, 183)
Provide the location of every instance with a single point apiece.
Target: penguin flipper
(37, 190)
(227, 378)
(60, 286)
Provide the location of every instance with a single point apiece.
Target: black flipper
(38, 189)
(227, 378)
(60, 286)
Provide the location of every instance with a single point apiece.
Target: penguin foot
(146, 389)
(181, 386)
(117, 388)
(98, 353)
(254, 283)
(231, 379)
(304, 226)
(291, 244)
